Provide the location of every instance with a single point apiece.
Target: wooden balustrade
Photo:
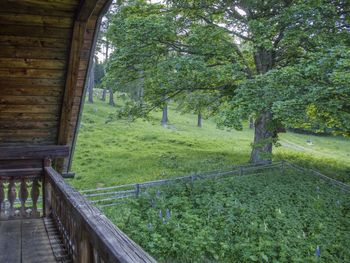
(88, 235)
(19, 195)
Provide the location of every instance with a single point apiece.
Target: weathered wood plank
(22, 172)
(35, 20)
(35, 31)
(34, 152)
(10, 63)
(10, 241)
(111, 244)
(35, 53)
(32, 73)
(28, 125)
(34, 236)
(20, 7)
(53, 109)
(20, 164)
(42, 42)
(31, 91)
(29, 100)
(25, 117)
(31, 82)
(60, 5)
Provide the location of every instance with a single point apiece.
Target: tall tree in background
(249, 56)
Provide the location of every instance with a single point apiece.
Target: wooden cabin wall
(41, 93)
(35, 40)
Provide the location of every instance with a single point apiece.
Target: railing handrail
(109, 241)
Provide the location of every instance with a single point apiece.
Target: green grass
(278, 218)
(119, 152)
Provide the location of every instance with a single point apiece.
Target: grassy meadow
(118, 152)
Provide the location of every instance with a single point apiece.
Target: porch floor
(30, 241)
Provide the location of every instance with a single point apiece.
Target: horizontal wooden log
(32, 73)
(34, 152)
(35, 31)
(36, 53)
(31, 82)
(31, 91)
(21, 164)
(6, 135)
(19, 173)
(30, 100)
(25, 117)
(42, 42)
(53, 109)
(111, 244)
(50, 5)
(22, 63)
(24, 125)
(35, 20)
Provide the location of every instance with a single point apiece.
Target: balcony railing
(87, 234)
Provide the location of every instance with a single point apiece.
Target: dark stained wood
(41, 42)
(61, 5)
(31, 82)
(32, 73)
(36, 53)
(23, 164)
(36, 20)
(86, 9)
(30, 100)
(31, 91)
(8, 63)
(24, 172)
(35, 31)
(10, 241)
(34, 152)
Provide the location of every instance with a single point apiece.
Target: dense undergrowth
(254, 218)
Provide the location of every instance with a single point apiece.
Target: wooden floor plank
(34, 236)
(31, 241)
(10, 241)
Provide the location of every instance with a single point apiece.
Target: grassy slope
(119, 152)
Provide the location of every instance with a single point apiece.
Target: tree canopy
(285, 62)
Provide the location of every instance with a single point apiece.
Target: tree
(249, 56)
(91, 83)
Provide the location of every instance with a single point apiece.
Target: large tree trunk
(104, 92)
(251, 123)
(199, 120)
(111, 97)
(263, 138)
(165, 119)
(91, 83)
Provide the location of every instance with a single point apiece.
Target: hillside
(119, 152)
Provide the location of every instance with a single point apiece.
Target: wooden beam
(33, 152)
(86, 9)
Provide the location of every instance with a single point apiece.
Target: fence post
(282, 167)
(137, 186)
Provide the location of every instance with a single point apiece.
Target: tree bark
(251, 123)
(199, 120)
(263, 137)
(91, 83)
(104, 92)
(165, 119)
(111, 97)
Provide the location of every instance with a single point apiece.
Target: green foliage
(253, 218)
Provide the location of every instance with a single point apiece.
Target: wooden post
(137, 186)
(240, 171)
(46, 189)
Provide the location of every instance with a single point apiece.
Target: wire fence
(113, 195)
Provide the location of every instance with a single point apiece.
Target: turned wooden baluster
(11, 195)
(23, 196)
(35, 196)
(2, 199)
